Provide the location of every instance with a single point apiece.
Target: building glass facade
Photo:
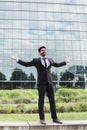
(25, 25)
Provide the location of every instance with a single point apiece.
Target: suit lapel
(50, 61)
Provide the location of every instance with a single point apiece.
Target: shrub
(18, 96)
(7, 109)
(70, 95)
(61, 107)
(83, 106)
(25, 101)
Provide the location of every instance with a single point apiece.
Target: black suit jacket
(44, 74)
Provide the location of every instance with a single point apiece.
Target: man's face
(43, 52)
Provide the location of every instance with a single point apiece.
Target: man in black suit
(43, 66)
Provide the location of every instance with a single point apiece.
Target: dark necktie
(45, 62)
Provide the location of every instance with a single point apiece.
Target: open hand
(68, 59)
(13, 57)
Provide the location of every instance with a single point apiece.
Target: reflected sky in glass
(60, 25)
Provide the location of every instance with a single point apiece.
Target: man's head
(42, 51)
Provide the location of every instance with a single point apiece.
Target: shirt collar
(42, 57)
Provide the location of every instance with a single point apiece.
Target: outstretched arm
(27, 64)
(62, 63)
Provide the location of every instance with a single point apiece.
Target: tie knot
(44, 58)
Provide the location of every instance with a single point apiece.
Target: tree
(32, 81)
(2, 77)
(80, 83)
(18, 75)
(66, 79)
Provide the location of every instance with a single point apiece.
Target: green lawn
(26, 101)
(35, 117)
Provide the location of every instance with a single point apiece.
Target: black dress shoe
(57, 121)
(42, 122)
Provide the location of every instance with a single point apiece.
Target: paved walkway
(67, 125)
(73, 122)
(28, 123)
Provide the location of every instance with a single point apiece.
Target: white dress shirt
(47, 62)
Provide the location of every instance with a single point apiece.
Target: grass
(19, 97)
(35, 117)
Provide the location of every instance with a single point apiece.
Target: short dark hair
(39, 49)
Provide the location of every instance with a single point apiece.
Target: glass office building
(60, 25)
